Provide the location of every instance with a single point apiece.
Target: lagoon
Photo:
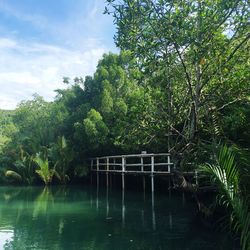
(99, 219)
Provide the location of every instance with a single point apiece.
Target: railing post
(97, 164)
(152, 173)
(142, 167)
(169, 163)
(152, 164)
(107, 172)
(91, 165)
(107, 164)
(123, 164)
(123, 172)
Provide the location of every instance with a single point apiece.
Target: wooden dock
(141, 164)
(135, 164)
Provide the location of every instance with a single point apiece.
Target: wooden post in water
(107, 203)
(170, 220)
(152, 174)
(91, 169)
(97, 173)
(107, 173)
(143, 178)
(144, 187)
(110, 180)
(108, 165)
(169, 187)
(91, 166)
(97, 164)
(152, 192)
(123, 208)
(153, 212)
(97, 184)
(123, 172)
(143, 217)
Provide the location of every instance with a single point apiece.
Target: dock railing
(153, 164)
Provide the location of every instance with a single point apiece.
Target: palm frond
(45, 173)
(14, 175)
(226, 176)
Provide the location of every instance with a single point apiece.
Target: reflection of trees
(37, 215)
(62, 218)
(42, 202)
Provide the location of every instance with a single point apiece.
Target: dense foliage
(180, 84)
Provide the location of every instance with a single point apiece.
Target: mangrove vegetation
(179, 84)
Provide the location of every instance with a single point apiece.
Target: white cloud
(6, 43)
(35, 57)
(28, 68)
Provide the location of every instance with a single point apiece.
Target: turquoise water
(87, 218)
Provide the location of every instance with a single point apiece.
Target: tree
(62, 156)
(45, 172)
(93, 129)
(33, 121)
(7, 127)
(193, 49)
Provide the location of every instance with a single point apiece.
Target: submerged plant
(226, 176)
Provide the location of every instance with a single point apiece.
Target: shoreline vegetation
(179, 84)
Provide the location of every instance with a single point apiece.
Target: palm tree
(24, 169)
(226, 176)
(45, 173)
(62, 155)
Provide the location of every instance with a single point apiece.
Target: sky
(41, 41)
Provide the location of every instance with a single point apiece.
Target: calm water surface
(87, 218)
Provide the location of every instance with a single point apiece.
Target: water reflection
(153, 211)
(42, 202)
(68, 218)
(123, 208)
(5, 237)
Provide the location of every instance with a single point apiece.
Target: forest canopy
(179, 84)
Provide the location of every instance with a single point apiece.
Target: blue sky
(43, 40)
